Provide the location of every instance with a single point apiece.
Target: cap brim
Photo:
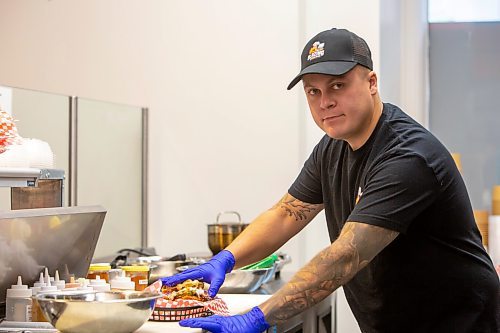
(325, 67)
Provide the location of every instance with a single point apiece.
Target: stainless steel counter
(318, 319)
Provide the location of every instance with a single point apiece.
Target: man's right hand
(213, 272)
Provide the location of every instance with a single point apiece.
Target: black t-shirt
(435, 276)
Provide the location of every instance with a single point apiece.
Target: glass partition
(109, 164)
(100, 146)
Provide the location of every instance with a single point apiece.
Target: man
(405, 246)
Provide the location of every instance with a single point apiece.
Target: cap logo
(317, 50)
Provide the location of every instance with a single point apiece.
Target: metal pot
(220, 235)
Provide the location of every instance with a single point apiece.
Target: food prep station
(40, 234)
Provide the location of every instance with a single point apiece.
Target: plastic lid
(82, 281)
(122, 282)
(47, 289)
(40, 282)
(60, 284)
(85, 287)
(19, 289)
(100, 267)
(99, 284)
(137, 268)
(97, 281)
(72, 284)
(47, 276)
(35, 290)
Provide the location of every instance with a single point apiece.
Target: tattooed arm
(356, 246)
(270, 230)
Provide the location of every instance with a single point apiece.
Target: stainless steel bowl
(161, 269)
(244, 281)
(90, 312)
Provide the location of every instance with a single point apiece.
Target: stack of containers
(494, 227)
(481, 217)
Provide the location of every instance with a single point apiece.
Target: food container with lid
(139, 274)
(221, 234)
(101, 270)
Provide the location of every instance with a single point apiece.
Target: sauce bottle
(18, 302)
(121, 283)
(60, 284)
(99, 285)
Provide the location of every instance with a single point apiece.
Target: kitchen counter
(318, 319)
(237, 303)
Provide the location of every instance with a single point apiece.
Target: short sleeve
(307, 186)
(396, 191)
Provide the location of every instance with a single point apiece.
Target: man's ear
(372, 77)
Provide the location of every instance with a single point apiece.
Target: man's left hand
(250, 322)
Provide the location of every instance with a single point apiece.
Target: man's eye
(337, 86)
(312, 92)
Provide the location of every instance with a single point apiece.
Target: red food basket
(167, 310)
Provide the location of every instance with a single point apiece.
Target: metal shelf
(19, 177)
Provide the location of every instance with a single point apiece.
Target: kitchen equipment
(90, 312)
(242, 281)
(221, 234)
(162, 267)
(32, 187)
(62, 238)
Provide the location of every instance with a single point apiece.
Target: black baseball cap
(333, 52)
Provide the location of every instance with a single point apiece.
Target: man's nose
(326, 101)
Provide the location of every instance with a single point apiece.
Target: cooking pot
(220, 235)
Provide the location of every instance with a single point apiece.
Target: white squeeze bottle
(60, 284)
(99, 285)
(18, 302)
(122, 282)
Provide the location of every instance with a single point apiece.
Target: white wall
(224, 133)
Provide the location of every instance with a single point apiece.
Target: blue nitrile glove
(250, 322)
(213, 272)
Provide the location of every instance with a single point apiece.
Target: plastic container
(138, 274)
(495, 200)
(122, 282)
(19, 302)
(37, 286)
(101, 270)
(99, 285)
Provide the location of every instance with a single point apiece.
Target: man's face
(344, 106)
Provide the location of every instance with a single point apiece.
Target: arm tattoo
(356, 246)
(297, 209)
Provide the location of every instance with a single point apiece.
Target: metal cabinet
(318, 319)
